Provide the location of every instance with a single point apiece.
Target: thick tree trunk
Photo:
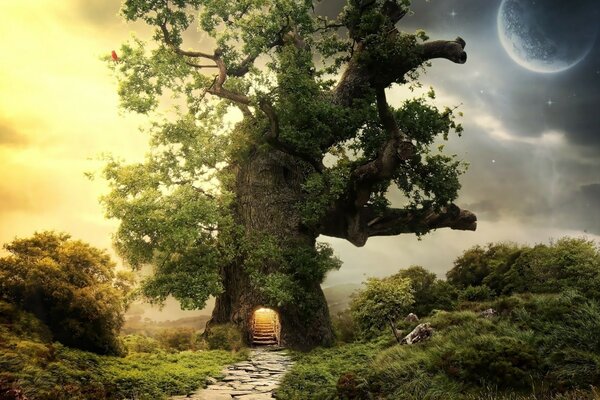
(268, 189)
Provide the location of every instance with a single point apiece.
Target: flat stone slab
(256, 379)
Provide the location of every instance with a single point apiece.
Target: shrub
(141, 344)
(180, 339)
(429, 292)
(380, 301)
(568, 263)
(345, 328)
(477, 263)
(224, 337)
(316, 375)
(502, 361)
(352, 387)
(476, 293)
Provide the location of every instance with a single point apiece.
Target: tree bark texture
(268, 190)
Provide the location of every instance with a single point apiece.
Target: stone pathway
(255, 379)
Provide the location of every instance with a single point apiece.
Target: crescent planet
(547, 36)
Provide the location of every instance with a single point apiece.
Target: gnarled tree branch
(359, 77)
(396, 149)
(358, 227)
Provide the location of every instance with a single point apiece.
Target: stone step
(264, 341)
(264, 337)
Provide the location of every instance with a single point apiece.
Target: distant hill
(150, 327)
(338, 296)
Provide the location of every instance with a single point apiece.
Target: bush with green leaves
(180, 339)
(224, 337)
(141, 344)
(475, 293)
(476, 264)
(316, 375)
(70, 286)
(430, 293)
(539, 346)
(381, 301)
(506, 268)
(344, 327)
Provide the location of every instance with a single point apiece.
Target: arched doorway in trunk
(265, 329)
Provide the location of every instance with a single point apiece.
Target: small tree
(69, 285)
(380, 301)
(430, 293)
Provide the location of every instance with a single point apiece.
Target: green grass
(49, 371)
(315, 374)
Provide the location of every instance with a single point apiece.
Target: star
(549, 102)
(453, 14)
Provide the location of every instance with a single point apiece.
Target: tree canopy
(70, 286)
(278, 76)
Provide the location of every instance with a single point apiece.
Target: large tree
(279, 133)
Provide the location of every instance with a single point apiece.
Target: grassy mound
(30, 363)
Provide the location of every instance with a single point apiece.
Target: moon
(547, 36)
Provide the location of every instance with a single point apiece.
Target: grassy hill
(543, 346)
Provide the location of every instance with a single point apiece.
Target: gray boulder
(411, 318)
(420, 333)
(489, 313)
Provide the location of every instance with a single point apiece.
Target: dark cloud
(516, 95)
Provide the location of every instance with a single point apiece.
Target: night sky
(532, 139)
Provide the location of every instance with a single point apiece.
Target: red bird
(114, 56)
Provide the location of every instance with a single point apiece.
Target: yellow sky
(58, 113)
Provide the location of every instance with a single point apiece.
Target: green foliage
(70, 286)
(429, 292)
(505, 268)
(475, 264)
(43, 370)
(181, 339)
(541, 347)
(476, 293)
(224, 337)
(381, 301)
(169, 217)
(344, 327)
(285, 273)
(141, 344)
(315, 375)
